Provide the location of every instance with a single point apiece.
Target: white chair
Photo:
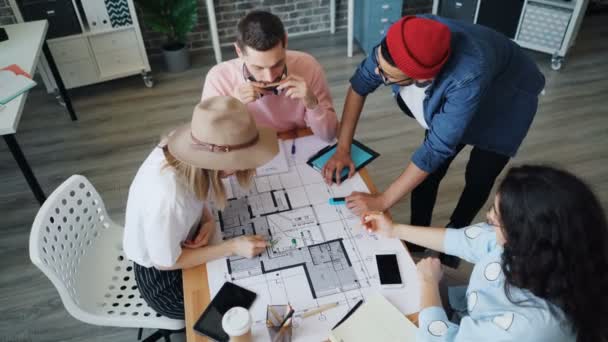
(78, 247)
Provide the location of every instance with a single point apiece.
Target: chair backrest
(78, 247)
(69, 220)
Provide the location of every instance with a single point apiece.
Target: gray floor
(120, 121)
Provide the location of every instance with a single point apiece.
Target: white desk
(215, 39)
(26, 41)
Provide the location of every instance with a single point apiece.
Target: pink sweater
(277, 111)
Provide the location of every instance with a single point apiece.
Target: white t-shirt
(160, 213)
(413, 96)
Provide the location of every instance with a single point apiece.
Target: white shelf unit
(548, 26)
(103, 51)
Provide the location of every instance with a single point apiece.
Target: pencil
(275, 314)
(284, 324)
(282, 330)
(320, 309)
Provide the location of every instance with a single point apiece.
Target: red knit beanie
(419, 46)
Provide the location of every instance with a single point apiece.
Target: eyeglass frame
(385, 79)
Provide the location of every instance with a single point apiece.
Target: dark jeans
(482, 169)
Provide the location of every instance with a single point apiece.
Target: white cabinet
(118, 62)
(550, 26)
(78, 73)
(110, 45)
(113, 41)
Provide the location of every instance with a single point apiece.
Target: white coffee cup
(237, 324)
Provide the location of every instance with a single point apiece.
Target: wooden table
(196, 285)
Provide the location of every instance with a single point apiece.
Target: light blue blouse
(488, 315)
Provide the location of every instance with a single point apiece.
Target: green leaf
(172, 17)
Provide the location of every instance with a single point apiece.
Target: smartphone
(194, 230)
(388, 270)
(229, 296)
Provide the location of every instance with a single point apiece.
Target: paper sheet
(277, 165)
(320, 253)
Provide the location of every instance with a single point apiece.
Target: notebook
(376, 320)
(13, 82)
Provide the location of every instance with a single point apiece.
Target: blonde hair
(199, 181)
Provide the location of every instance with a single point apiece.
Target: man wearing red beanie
(464, 84)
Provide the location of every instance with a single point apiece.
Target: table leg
(332, 16)
(25, 167)
(64, 93)
(350, 28)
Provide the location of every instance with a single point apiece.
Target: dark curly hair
(557, 245)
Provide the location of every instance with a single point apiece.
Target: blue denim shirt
(486, 94)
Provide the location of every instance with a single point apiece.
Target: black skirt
(162, 290)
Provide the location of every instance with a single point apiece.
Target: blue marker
(337, 200)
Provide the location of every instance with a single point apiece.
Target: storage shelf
(557, 3)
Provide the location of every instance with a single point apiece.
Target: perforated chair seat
(78, 247)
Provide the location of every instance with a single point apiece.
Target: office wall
(299, 17)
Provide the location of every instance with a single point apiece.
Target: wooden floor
(120, 121)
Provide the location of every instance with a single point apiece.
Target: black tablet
(229, 296)
(360, 154)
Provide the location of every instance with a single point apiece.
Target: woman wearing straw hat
(169, 197)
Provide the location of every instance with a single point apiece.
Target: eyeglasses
(383, 75)
(265, 85)
(387, 82)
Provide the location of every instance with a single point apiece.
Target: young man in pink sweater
(283, 89)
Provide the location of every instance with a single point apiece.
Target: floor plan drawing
(317, 254)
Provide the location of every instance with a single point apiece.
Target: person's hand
(361, 202)
(335, 164)
(379, 223)
(430, 270)
(247, 93)
(248, 246)
(202, 238)
(296, 88)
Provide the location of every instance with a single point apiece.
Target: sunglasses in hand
(270, 86)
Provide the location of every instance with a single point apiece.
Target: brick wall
(299, 17)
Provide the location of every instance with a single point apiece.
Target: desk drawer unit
(120, 40)
(372, 20)
(78, 73)
(544, 26)
(119, 62)
(67, 50)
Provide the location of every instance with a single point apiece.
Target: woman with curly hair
(541, 264)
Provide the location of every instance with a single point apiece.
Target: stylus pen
(348, 314)
(320, 309)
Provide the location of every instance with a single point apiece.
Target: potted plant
(174, 18)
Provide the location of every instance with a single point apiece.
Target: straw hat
(223, 136)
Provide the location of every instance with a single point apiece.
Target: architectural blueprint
(318, 253)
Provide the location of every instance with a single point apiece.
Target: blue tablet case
(360, 154)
